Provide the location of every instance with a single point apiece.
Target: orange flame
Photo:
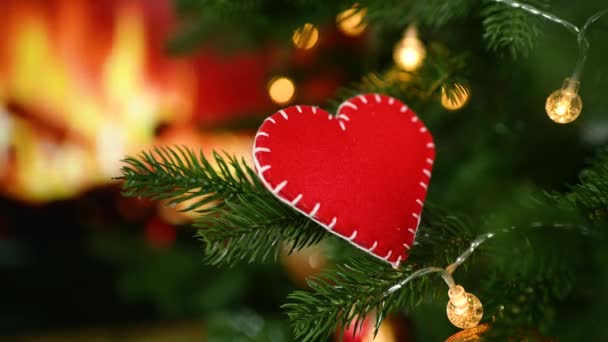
(82, 84)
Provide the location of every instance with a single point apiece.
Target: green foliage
(591, 194)
(524, 276)
(253, 228)
(240, 219)
(179, 175)
(358, 287)
(510, 29)
(441, 70)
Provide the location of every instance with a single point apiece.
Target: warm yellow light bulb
(564, 105)
(281, 90)
(409, 53)
(306, 37)
(351, 22)
(464, 309)
(458, 100)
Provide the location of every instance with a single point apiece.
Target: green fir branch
(239, 219)
(253, 228)
(590, 196)
(347, 294)
(510, 29)
(178, 175)
(441, 69)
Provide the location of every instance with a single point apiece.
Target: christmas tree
(515, 210)
(504, 191)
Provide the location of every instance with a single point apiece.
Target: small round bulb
(305, 37)
(458, 101)
(564, 105)
(281, 90)
(464, 309)
(351, 22)
(409, 53)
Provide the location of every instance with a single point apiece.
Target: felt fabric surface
(362, 174)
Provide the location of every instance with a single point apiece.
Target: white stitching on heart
(262, 134)
(333, 223)
(264, 168)
(416, 216)
(280, 187)
(298, 198)
(373, 246)
(315, 209)
(349, 104)
(261, 149)
(377, 97)
(407, 246)
(430, 145)
(342, 125)
(426, 172)
(388, 255)
(283, 114)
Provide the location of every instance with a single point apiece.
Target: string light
(306, 37)
(281, 90)
(464, 310)
(460, 98)
(409, 52)
(351, 22)
(564, 105)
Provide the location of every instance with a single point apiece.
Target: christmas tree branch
(253, 228)
(347, 294)
(178, 175)
(442, 71)
(510, 29)
(590, 196)
(240, 219)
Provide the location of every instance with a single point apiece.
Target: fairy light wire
(583, 43)
(446, 273)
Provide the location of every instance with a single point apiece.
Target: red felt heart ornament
(363, 174)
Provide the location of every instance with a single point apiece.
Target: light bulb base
(464, 310)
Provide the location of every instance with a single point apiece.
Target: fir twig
(178, 175)
(347, 294)
(510, 29)
(239, 219)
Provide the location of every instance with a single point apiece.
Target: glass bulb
(351, 22)
(564, 105)
(464, 309)
(306, 37)
(458, 101)
(281, 90)
(409, 51)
